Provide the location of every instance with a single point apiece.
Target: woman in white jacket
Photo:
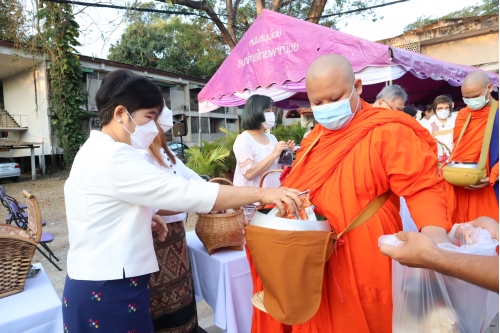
(108, 196)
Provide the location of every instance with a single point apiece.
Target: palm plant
(207, 161)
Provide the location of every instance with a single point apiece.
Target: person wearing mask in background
(469, 203)
(108, 196)
(428, 116)
(173, 305)
(442, 127)
(391, 97)
(255, 150)
(359, 153)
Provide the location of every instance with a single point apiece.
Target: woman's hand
(159, 226)
(291, 145)
(280, 146)
(281, 195)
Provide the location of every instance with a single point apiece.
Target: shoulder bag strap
(368, 212)
(487, 135)
(461, 135)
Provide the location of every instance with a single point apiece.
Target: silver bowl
(278, 223)
(463, 165)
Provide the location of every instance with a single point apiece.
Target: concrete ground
(50, 195)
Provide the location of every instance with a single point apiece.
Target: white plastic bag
(428, 302)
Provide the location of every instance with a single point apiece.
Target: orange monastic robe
(379, 150)
(466, 205)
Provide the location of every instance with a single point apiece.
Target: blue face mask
(336, 115)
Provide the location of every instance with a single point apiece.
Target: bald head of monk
(330, 79)
(476, 90)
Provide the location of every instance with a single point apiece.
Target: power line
(358, 10)
(139, 9)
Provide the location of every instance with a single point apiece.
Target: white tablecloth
(37, 309)
(224, 281)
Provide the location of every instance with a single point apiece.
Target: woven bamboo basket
(17, 249)
(221, 231)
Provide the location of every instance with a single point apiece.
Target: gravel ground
(49, 191)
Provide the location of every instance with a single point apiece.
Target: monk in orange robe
(362, 153)
(469, 203)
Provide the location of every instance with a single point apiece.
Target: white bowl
(463, 165)
(278, 223)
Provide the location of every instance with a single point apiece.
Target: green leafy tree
(233, 17)
(171, 44)
(12, 20)
(487, 7)
(59, 38)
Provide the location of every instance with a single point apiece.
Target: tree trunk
(203, 5)
(317, 8)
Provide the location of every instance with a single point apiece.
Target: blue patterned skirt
(107, 306)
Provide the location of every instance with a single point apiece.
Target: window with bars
(195, 125)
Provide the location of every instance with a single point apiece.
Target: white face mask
(165, 120)
(443, 114)
(143, 135)
(270, 120)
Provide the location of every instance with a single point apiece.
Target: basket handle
(266, 174)
(443, 145)
(228, 182)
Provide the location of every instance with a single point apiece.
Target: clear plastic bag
(428, 302)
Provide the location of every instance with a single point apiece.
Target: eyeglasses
(443, 109)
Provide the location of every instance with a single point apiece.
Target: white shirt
(247, 152)
(426, 124)
(108, 195)
(177, 169)
(444, 133)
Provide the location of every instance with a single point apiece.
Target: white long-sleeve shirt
(177, 169)
(108, 196)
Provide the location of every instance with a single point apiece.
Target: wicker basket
(17, 249)
(221, 231)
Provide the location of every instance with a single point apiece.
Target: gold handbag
(467, 174)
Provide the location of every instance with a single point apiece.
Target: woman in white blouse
(108, 197)
(442, 127)
(257, 151)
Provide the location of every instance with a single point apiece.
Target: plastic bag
(426, 301)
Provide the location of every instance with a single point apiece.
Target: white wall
(19, 99)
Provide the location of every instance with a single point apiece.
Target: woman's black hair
(253, 113)
(132, 91)
(409, 110)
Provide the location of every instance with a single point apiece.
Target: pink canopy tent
(273, 56)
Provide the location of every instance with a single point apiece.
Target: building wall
(469, 51)
(19, 100)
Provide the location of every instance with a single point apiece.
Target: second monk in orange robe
(467, 204)
(374, 151)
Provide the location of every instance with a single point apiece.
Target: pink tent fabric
(279, 48)
(273, 56)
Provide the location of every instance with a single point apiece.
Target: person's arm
(411, 165)
(137, 181)
(418, 250)
(244, 157)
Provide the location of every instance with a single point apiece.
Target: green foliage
(487, 7)
(170, 44)
(12, 20)
(60, 33)
(227, 141)
(207, 161)
(293, 132)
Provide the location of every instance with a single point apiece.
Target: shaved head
(477, 84)
(330, 78)
(477, 77)
(330, 64)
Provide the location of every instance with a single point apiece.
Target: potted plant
(209, 161)
(227, 141)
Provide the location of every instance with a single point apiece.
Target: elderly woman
(109, 195)
(257, 151)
